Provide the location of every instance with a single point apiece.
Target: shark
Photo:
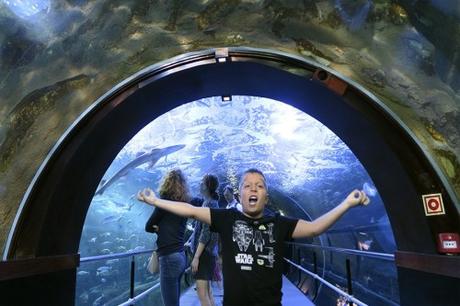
(151, 157)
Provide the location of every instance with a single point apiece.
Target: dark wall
(427, 289)
(57, 288)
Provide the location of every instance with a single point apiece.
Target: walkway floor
(291, 296)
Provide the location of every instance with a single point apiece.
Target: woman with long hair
(170, 229)
(204, 261)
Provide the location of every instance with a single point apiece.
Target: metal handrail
(112, 256)
(348, 297)
(137, 298)
(383, 256)
(142, 295)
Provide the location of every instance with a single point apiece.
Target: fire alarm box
(448, 243)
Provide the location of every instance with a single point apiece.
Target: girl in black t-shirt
(170, 229)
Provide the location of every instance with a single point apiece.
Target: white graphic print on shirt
(242, 234)
(258, 241)
(244, 259)
(262, 239)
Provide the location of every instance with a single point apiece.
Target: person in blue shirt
(229, 196)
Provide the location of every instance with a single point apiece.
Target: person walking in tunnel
(229, 196)
(170, 228)
(253, 240)
(205, 244)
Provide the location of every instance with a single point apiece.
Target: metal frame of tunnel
(52, 213)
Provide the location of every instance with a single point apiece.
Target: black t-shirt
(171, 231)
(252, 251)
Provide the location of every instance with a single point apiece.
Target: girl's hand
(194, 264)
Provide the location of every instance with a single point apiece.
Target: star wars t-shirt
(252, 251)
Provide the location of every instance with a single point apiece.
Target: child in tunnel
(253, 240)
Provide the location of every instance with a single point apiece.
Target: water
(369, 189)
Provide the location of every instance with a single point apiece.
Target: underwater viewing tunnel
(315, 129)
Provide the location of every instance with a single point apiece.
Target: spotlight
(221, 55)
(226, 98)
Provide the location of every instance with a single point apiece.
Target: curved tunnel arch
(373, 134)
(53, 210)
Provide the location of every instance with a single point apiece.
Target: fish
(203, 103)
(105, 252)
(109, 219)
(112, 261)
(103, 271)
(84, 297)
(138, 248)
(99, 301)
(369, 189)
(151, 157)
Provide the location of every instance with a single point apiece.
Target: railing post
(315, 263)
(299, 260)
(349, 283)
(315, 270)
(131, 285)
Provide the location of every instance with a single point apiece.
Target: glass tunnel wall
(309, 171)
(57, 57)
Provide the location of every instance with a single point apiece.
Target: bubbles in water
(369, 189)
